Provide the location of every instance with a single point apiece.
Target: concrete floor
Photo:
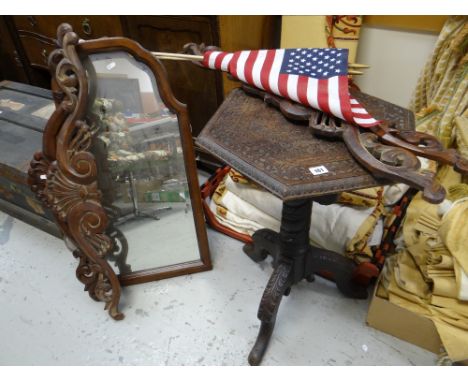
(203, 319)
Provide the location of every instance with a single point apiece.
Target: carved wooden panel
(64, 176)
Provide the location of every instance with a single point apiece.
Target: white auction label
(319, 170)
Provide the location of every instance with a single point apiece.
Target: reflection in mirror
(141, 171)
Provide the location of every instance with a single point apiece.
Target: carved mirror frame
(64, 174)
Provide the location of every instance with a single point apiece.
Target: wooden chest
(24, 111)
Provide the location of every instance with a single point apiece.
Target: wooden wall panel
(247, 33)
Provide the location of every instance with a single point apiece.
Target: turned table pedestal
(283, 157)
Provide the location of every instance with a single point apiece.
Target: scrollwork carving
(63, 194)
(400, 165)
(119, 251)
(277, 285)
(390, 155)
(395, 160)
(64, 178)
(37, 176)
(423, 144)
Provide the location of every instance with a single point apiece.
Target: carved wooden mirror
(118, 167)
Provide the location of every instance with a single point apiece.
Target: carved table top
(257, 140)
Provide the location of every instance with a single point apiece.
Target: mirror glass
(141, 171)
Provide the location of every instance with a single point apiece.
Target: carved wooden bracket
(421, 144)
(63, 175)
(396, 162)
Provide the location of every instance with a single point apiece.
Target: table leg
(294, 259)
(293, 249)
(322, 262)
(264, 242)
(279, 283)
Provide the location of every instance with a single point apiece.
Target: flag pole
(358, 66)
(177, 56)
(194, 57)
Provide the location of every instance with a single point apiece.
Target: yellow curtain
(428, 275)
(441, 93)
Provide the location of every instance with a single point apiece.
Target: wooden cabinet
(33, 38)
(87, 27)
(37, 33)
(11, 66)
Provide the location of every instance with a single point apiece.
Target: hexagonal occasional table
(285, 158)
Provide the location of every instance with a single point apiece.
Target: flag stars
(314, 62)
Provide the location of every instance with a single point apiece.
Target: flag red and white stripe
(268, 70)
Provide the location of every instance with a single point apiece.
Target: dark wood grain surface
(276, 153)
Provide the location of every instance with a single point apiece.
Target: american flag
(313, 77)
